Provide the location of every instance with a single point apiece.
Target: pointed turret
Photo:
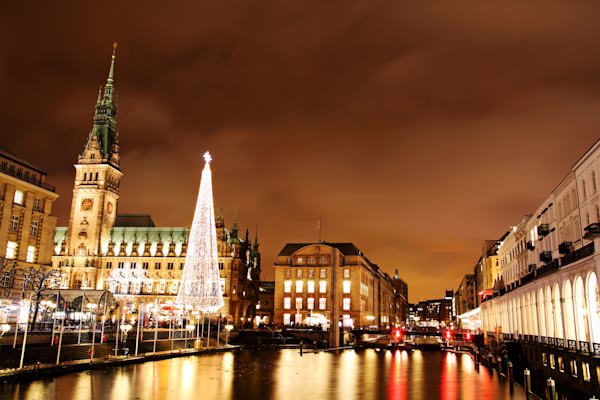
(256, 240)
(234, 229)
(103, 134)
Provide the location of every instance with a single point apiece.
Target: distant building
(435, 313)
(266, 301)
(330, 283)
(26, 221)
(401, 298)
(465, 294)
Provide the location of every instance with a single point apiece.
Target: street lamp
(228, 328)
(125, 328)
(5, 328)
(189, 328)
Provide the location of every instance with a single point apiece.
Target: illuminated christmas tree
(200, 286)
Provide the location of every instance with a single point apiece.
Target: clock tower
(97, 178)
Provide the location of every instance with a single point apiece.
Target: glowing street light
(5, 328)
(228, 329)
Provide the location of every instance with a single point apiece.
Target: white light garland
(200, 286)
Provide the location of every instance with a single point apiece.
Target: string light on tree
(201, 283)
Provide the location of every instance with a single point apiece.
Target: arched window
(583, 189)
(594, 181)
(85, 176)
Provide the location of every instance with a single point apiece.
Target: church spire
(102, 144)
(256, 240)
(108, 88)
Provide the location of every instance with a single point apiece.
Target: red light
(448, 334)
(468, 335)
(397, 333)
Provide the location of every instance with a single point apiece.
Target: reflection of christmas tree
(200, 286)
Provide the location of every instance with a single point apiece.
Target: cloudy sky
(415, 132)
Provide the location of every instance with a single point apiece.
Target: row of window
(310, 273)
(558, 363)
(145, 265)
(14, 225)
(310, 286)
(89, 177)
(11, 251)
(311, 260)
(19, 198)
(287, 303)
(26, 175)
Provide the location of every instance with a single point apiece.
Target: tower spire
(111, 72)
(108, 88)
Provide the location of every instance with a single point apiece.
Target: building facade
(126, 253)
(325, 283)
(550, 302)
(26, 222)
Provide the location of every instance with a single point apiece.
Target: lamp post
(228, 329)
(5, 328)
(190, 328)
(125, 328)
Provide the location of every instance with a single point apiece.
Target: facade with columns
(550, 266)
(126, 253)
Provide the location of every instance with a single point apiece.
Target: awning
(91, 295)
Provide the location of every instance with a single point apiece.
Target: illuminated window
(18, 197)
(286, 318)
(552, 364)
(298, 303)
(30, 253)
(346, 286)
(323, 261)
(322, 303)
(323, 273)
(299, 273)
(287, 286)
(585, 370)
(310, 303)
(11, 248)
(346, 303)
(300, 260)
(299, 285)
(323, 287)
(287, 303)
(310, 286)
(573, 365)
(288, 273)
(33, 231)
(311, 260)
(561, 364)
(14, 222)
(311, 273)
(346, 273)
(37, 204)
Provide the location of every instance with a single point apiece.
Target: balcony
(530, 245)
(543, 230)
(578, 254)
(592, 231)
(546, 256)
(565, 247)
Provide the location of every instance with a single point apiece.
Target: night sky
(414, 132)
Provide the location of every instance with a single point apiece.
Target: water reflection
(364, 374)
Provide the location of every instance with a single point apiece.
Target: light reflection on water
(364, 374)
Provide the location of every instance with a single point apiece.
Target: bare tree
(38, 278)
(7, 276)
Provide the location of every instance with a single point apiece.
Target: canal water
(284, 374)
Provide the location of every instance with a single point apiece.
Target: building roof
(7, 154)
(347, 249)
(134, 221)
